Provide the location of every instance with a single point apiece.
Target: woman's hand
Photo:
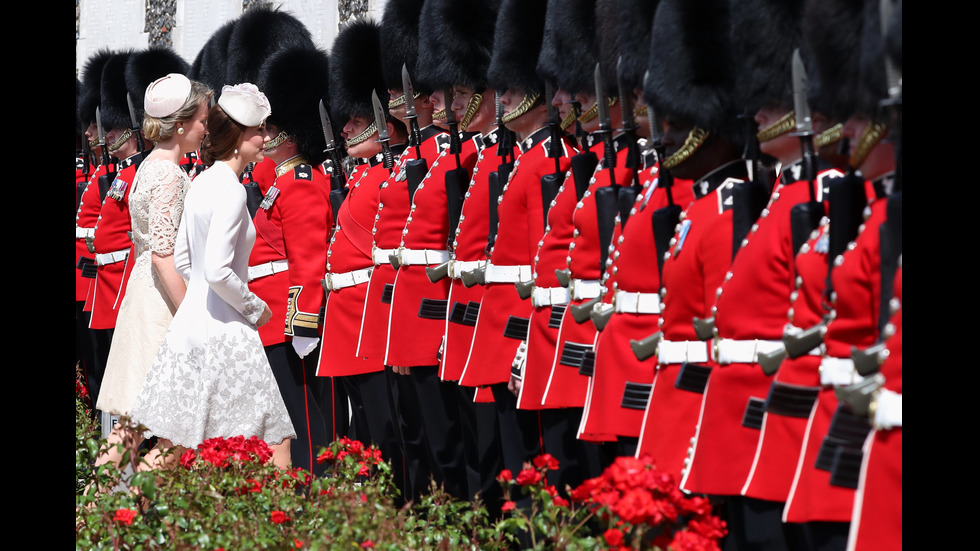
(265, 317)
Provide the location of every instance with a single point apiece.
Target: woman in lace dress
(211, 377)
(175, 115)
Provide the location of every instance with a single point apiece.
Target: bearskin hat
(458, 42)
(92, 85)
(832, 35)
(765, 33)
(211, 64)
(355, 61)
(400, 44)
(147, 65)
(259, 33)
(114, 109)
(80, 125)
(635, 20)
(873, 81)
(568, 50)
(893, 38)
(691, 66)
(295, 80)
(516, 46)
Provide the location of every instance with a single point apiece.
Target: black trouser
(440, 414)
(756, 524)
(406, 418)
(302, 392)
(370, 416)
(520, 430)
(481, 439)
(578, 460)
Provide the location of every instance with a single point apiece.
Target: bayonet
(804, 123)
(383, 138)
(605, 122)
(135, 122)
(410, 113)
(331, 148)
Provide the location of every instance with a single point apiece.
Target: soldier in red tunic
(355, 75)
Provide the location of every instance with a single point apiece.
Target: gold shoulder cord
(694, 140)
(289, 164)
(521, 108)
(365, 134)
(869, 138)
(476, 100)
(785, 123)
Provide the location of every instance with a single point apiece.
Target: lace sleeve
(169, 185)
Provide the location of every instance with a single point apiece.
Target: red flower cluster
(80, 389)
(279, 517)
(220, 451)
(631, 490)
(124, 516)
(366, 457)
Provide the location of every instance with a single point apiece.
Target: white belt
(457, 267)
(636, 303)
(267, 269)
(347, 279)
(887, 410)
(84, 233)
(744, 352)
(675, 352)
(585, 288)
(408, 257)
(508, 274)
(547, 296)
(380, 256)
(111, 258)
(838, 372)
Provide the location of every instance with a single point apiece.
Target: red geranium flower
(279, 517)
(187, 459)
(505, 476)
(124, 516)
(613, 537)
(297, 543)
(546, 460)
(560, 501)
(327, 455)
(528, 477)
(508, 506)
(366, 544)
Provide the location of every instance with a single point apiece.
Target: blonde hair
(160, 129)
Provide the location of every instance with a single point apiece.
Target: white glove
(304, 345)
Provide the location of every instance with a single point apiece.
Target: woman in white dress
(211, 377)
(175, 116)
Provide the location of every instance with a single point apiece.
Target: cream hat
(245, 104)
(166, 95)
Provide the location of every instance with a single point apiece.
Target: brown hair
(159, 129)
(224, 135)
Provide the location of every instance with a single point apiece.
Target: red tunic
(393, 210)
(111, 237)
(415, 333)
(85, 219)
(295, 228)
(633, 269)
(469, 245)
(857, 285)
(752, 304)
(349, 251)
(695, 266)
(877, 520)
(522, 214)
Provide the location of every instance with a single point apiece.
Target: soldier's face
(365, 149)
(484, 117)
(562, 100)
(880, 160)
(92, 134)
(785, 147)
(587, 101)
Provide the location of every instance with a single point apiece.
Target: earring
(236, 151)
(180, 130)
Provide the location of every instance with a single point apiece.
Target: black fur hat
(893, 38)
(211, 64)
(114, 110)
(355, 62)
(691, 66)
(79, 92)
(295, 80)
(635, 22)
(259, 33)
(92, 85)
(832, 34)
(568, 50)
(147, 65)
(765, 33)
(456, 41)
(400, 43)
(516, 46)
(873, 82)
